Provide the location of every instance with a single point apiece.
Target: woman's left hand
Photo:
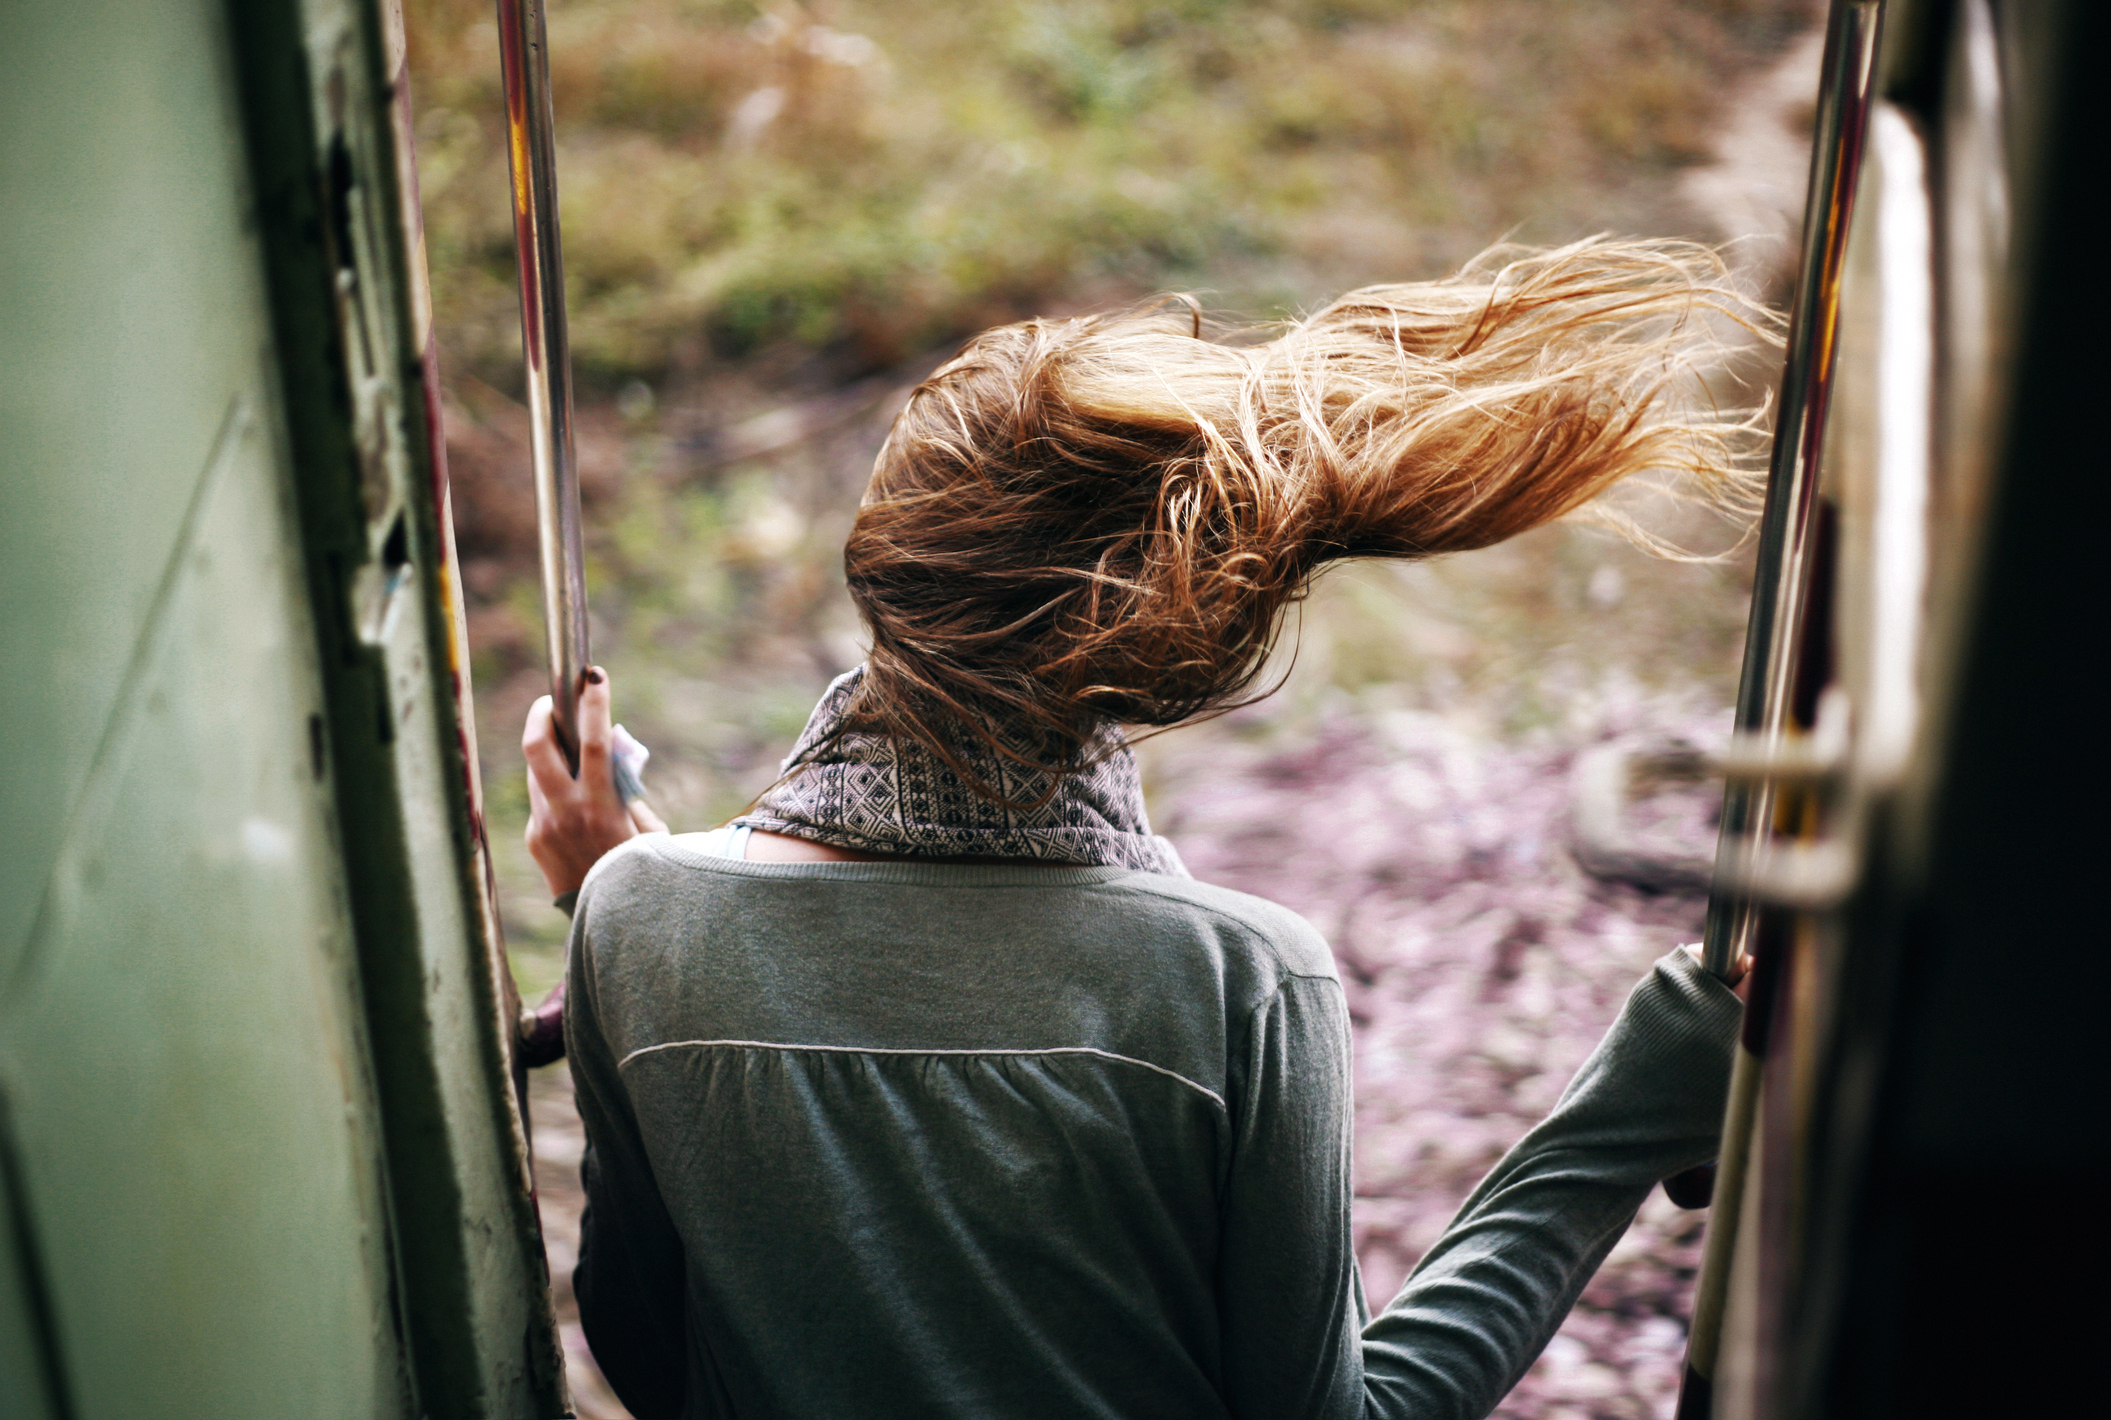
(1740, 971)
(573, 822)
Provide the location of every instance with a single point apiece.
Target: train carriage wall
(259, 1148)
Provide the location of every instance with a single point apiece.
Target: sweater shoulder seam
(1261, 930)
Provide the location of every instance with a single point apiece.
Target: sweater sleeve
(1488, 1296)
(630, 1280)
(1287, 1288)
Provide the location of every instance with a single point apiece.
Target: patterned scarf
(878, 794)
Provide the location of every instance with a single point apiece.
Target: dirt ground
(1417, 810)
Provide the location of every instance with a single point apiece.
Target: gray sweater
(901, 1139)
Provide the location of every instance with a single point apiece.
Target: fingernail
(594, 676)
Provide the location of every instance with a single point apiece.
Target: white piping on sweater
(885, 1050)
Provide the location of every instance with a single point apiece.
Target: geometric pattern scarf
(878, 794)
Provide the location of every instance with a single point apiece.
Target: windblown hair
(1106, 518)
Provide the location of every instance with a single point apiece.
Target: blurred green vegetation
(878, 176)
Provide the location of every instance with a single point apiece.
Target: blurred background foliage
(776, 218)
(873, 177)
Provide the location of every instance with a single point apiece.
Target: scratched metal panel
(360, 385)
(192, 1149)
(123, 282)
(24, 1394)
(256, 1121)
(189, 1098)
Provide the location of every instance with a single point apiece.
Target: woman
(933, 1085)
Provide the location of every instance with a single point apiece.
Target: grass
(875, 177)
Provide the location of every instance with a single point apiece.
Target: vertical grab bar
(1775, 636)
(547, 354)
(1776, 640)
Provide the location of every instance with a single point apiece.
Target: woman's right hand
(573, 822)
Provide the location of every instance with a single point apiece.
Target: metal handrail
(1774, 637)
(546, 352)
(1777, 638)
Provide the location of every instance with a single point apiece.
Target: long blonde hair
(1105, 518)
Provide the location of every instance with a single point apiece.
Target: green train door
(260, 1150)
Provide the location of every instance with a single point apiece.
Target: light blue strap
(727, 842)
